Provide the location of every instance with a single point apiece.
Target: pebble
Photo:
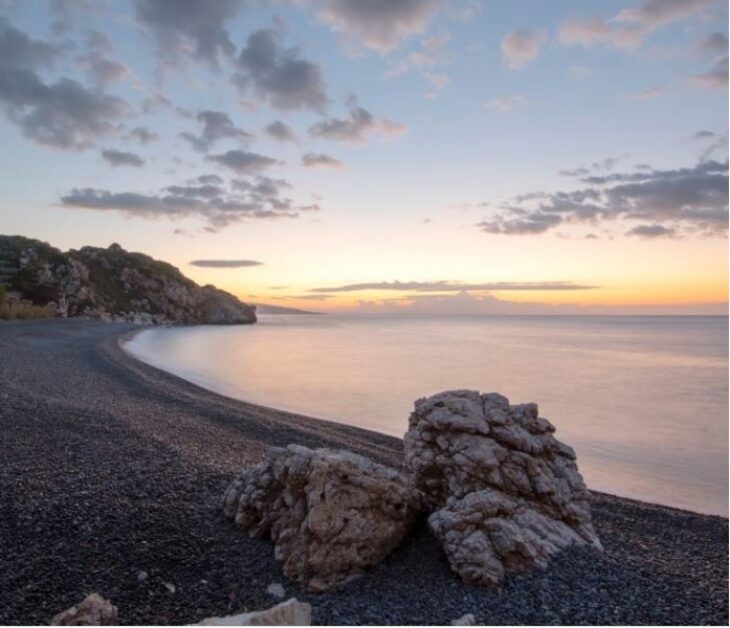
(276, 590)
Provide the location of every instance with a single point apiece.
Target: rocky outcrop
(509, 493)
(94, 610)
(289, 613)
(112, 284)
(331, 514)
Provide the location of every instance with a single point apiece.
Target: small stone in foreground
(465, 620)
(289, 613)
(94, 610)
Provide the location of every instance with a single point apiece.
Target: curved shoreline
(111, 467)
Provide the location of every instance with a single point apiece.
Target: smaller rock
(465, 620)
(289, 613)
(276, 590)
(94, 610)
(170, 587)
(142, 576)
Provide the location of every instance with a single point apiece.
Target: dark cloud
(120, 158)
(532, 223)
(102, 70)
(243, 162)
(281, 131)
(320, 160)
(143, 135)
(189, 28)
(204, 197)
(277, 75)
(216, 125)
(209, 179)
(453, 286)
(651, 231)
(357, 128)
(379, 24)
(716, 77)
(64, 114)
(224, 263)
(712, 43)
(693, 199)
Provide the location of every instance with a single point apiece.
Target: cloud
(217, 125)
(651, 231)
(143, 135)
(522, 47)
(320, 160)
(224, 263)
(189, 28)
(713, 142)
(204, 197)
(683, 199)
(120, 158)
(454, 286)
(281, 131)
(101, 69)
(712, 43)
(465, 303)
(628, 29)
(580, 72)
(357, 128)
(243, 162)
(64, 114)
(716, 77)
(379, 25)
(648, 93)
(277, 75)
(506, 103)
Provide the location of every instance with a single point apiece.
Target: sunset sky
(428, 156)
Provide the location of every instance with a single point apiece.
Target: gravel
(111, 473)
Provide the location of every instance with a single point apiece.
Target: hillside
(112, 284)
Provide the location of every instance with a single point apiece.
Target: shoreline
(113, 467)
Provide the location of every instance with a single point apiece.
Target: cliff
(112, 284)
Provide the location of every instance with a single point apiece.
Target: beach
(111, 474)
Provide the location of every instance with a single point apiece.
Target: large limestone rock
(94, 610)
(510, 493)
(331, 514)
(289, 613)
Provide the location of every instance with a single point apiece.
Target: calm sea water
(644, 400)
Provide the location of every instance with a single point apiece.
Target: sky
(381, 156)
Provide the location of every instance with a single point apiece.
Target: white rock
(332, 514)
(289, 613)
(465, 620)
(510, 493)
(94, 610)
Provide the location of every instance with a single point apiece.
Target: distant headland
(37, 279)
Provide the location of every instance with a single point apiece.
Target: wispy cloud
(224, 263)
(506, 103)
(453, 286)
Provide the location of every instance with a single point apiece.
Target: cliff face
(112, 284)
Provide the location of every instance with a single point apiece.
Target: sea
(642, 399)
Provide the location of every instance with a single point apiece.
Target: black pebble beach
(111, 474)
